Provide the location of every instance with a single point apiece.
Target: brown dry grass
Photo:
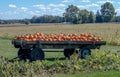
(103, 30)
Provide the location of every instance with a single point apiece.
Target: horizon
(15, 9)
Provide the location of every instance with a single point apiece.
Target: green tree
(98, 17)
(83, 16)
(91, 17)
(71, 14)
(117, 19)
(26, 21)
(33, 19)
(1, 21)
(107, 12)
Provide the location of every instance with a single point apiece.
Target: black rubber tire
(68, 52)
(23, 54)
(37, 54)
(85, 52)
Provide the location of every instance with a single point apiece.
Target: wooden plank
(58, 43)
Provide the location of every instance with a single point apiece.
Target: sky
(20, 9)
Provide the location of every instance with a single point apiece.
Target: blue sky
(19, 9)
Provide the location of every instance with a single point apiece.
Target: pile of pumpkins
(58, 37)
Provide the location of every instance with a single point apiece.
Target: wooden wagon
(33, 50)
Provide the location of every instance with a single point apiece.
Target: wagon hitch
(14, 59)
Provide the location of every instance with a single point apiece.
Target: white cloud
(103, 1)
(85, 1)
(23, 9)
(81, 6)
(57, 10)
(39, 6)
(51, 7)
(87, 6)
(11, 13)
(92, 5)
(42, 7)
(65, 1)
(110, 1)
(36, 13)
(57, 5)
(12, 6)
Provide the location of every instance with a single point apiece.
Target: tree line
(74, 15)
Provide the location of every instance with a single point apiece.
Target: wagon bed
(57, 44)
(32, 50)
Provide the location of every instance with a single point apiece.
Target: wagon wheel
(23, 54)
(85, 52)
(37, 54)
(68, 52)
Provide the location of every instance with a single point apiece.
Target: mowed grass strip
(91, 74)
(9, 51)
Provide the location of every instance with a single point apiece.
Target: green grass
(91, 74)
(8, 50)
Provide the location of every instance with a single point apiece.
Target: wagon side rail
(57, 44)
